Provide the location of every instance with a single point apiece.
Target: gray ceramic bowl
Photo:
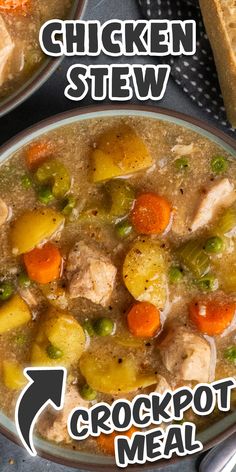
(40, 76)
(214, 433)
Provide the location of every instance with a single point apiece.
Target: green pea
(87, 393)
(45, 195)
(6, 290)
(208, 283)
(230, 354)
(175, 275)
(181, 163)
(103, 326)
(21, 339)
(69, 205)
(214, 245)
(88, 326)
(26, 182)
(124, 229)
(219, 164)
(54, 352)
(23, 280)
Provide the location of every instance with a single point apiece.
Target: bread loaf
(220, 21)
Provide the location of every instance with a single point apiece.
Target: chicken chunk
(4, 212)
(220, 195)
(90, 274)
(162, 385)
(186, 355)
(53, 427)
(6, 50)
(183, 149)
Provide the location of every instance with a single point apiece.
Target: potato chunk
(105, 374)
(34, 227)
(13, 376)
(14, 313)
(62, 331)
(144, 272)
(119, 152)
(226, 272)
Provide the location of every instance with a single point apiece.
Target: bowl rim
(48, 66)
(183, 118)
(116, 110)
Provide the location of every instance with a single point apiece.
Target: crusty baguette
(220, 22)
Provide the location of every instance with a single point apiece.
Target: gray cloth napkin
(195, 74)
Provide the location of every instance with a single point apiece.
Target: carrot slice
(10, 5)
(144, 320)
(37, 154)
(211, 317)
(107, 441)
(151, 214)
(44, 264)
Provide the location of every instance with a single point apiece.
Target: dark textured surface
(50, 100)
(24, 463)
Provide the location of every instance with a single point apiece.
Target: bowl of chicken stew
(23, 66)
(119, 263)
